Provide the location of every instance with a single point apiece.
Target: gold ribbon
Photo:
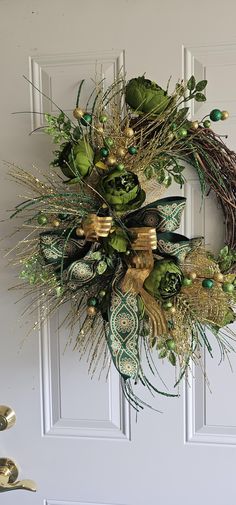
(140, 266)
(96, 226)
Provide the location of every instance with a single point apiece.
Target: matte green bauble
(182, 133)
(92, 302)
(207, 123)
(170, 344)
(132, 150)
(228, 287)
(86, 119)
(207, 283)
(42, 219)
(109, 142)
(104, 152)
(215, 115)
(165, 280)
(167, 305)
(103, 119)
(120, 166)
(187, 282)
(102, 293)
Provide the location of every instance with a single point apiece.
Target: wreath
(101, 236)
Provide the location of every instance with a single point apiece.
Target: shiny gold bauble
(195, 125)
(170, 137)
(79, 232)
(56, 223)
(100, 130)
(111, 160)
(129, 132)
(193, 276)
(224, 114)
(91, 311)
(121, 152)
(78, 113)
(219, 277)
(172, 310)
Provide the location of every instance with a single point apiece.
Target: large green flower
(76, 160)
(122, 190)
(165, 280)
(146, 96)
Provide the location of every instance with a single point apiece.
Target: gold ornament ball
(170, 137)
(172, 310)
(219, 277)
(79, 232)
(111, 160)
(195, 125)
(224, 114)
(100, 130)
(193, 276)
(121, 152)
(78, 113)
(129, 132)
(56, 223)
(91, 311)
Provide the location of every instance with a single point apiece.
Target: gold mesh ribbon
(140, 266)
(96, 226)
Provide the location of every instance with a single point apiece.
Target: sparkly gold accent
(219, 277)
(79, 232)
(91, 311)
(78, 113)
(111, 160)
(56, 223)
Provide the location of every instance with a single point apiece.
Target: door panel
(77, 437)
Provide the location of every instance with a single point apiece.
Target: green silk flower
(122, 190)
(146, 96)
(75, 161)
(165, 280)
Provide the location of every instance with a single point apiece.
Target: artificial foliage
(100, 234)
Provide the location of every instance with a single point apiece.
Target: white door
(76, 437)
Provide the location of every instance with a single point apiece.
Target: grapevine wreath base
(100, 235)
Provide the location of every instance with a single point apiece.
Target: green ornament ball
(182, 132)
(207, 283)
(103, 119)
(120, 166)
(170, 343)
(132, 150)
(92, 301)
(167, 305)
(63, 216)
(187, 282)
(104, 152)
(207, 123)
(215, 115)
(228, 287)
(86, 119)
(108, 141)
(102, 293)
(42, 219)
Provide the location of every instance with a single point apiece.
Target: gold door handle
(7, 417)
(8, 477)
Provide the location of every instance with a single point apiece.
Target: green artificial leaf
(224, 252)
(161, 176)
(149, 172)
(172, 358)
(167, 181)
(191, 83)
(200, 86)
(179, 179)
(101, 267)
(96, 255)
(163, 353)
(199, 97)
(178, 168)
(118, 240)
(181, 114)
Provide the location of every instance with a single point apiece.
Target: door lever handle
(8, 477)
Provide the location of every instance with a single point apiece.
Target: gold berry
(219, 277)
(193, 276)
(195, 125)
(91, 311)
(56, 223)
(100, 130)
(111, 160)
(129, 132)
(121, 152)
(224, 114)
(78, 113)
(172, 310)
(79, 232)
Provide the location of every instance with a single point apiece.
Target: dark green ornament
(92, 302)
(63, 216)
(207, 283)
(86, 119)
(132, 150)
(215, 115)
(104, 152)
(228, 287)
(42, 219)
